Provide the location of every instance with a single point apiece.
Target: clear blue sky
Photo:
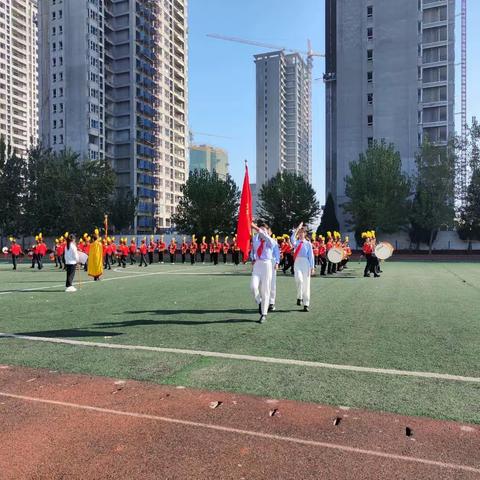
(222, 74)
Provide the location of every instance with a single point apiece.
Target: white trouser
(273, 286)
(302, 279)
(261, 283)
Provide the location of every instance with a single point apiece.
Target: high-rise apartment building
(18, 74)
(389, 75)
(284, 137)
(114, 87)
(207, 157)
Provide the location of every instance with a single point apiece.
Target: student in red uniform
(34, 252)
(316, 248)
(16, 251)
(328, 246)
(217, 248)
(322, 254)
(60, 252)
(184, 248)
(106, 254)
(172, 250)
(203, 249)
(288, 256)
(41, 251)
(161, 247)
(368, 252)
(151, 249)
(133, 251)
(124, 251)
(143, 253)
(193, 247)
(235, 251)
(211, 249)
(225, 249)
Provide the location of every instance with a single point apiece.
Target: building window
(369, 77)
(370, 120)
(60, 139)
(370, 55)
(370, 11)
(370, 33)
(370, 141)
(370, 98)
(54, 124)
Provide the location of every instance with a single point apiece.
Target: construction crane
(203, 134)
(463, 114)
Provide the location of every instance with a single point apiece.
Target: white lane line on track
(250, 358)
(123, 277)
(250, 433)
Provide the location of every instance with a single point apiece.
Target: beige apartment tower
(18, 74)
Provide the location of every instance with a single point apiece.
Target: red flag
(245, 218)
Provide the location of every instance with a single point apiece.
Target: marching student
(161, 247)
(304, 265)
(275, 264)
(193, 250)
(143, 252)
(316, 248)
(367, 249)
(211, 249)
(203, 249)
(322, 249)
(107, 248)
(225, 249)
(133, 251)
(124, 251)
(151, 249)
(183, 249)
(288, 263)
(40, 251)
(262, 254)
(59, 250)
(71, 260)
(328, 247)
(217, 248)
(16, 251)
(172, 249)
(235, 251)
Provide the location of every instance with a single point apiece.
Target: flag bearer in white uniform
(304, 265)
(262, 254)
(275, 264)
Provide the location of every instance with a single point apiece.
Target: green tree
(328, 222)
(123, 207)
(433, 204)
(66, 193)
(12, 188)
(377, 190)
(469, 219)
(209, 205)
(286, 200)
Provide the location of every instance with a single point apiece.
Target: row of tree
(52, 192)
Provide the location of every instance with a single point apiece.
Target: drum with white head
(384, 250)
(335, 255)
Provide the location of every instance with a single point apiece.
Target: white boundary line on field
(250, 358)
(249, 433)
(111, 279)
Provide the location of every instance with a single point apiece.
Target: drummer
(304, 265)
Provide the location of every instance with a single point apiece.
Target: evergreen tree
(328, 222)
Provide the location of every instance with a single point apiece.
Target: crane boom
(310, 52)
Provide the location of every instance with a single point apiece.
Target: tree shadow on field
(69, 333)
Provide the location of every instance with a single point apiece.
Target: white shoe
(71, 289)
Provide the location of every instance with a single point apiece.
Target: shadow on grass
(69, 333)
(190, 323)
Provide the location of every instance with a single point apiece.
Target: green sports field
(418, 317)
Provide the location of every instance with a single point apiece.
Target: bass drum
(335, 255)
(5, 250)
(384, 250)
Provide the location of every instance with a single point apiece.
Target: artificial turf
(417, 316)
